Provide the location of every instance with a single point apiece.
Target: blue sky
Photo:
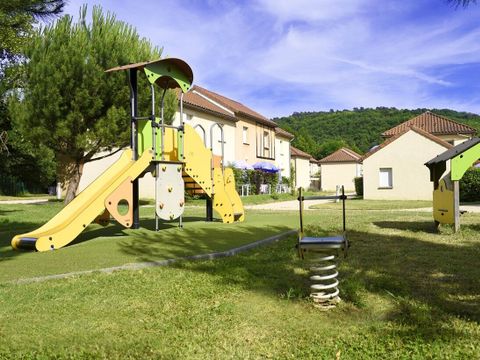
(282, 56)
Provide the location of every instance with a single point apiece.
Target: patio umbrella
(265, 166)
(242, 164)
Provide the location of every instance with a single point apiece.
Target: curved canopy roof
(168, 73)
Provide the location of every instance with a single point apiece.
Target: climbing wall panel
(232, 193)
(221, 202)
(170, 191)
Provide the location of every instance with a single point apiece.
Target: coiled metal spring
(323, 276)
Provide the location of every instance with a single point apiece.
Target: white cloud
(280, 56)
(308, 10)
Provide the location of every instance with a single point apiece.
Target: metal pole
(209, 208)
(343, 208)
(300, 202)
(162, 133)
(133, 142)
(181, 110)
(154, 146)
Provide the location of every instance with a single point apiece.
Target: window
(358, 170)
(385, 178)
(245, 135)
(266, 140)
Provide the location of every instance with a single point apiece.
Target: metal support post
(209, 209)
(133, 142)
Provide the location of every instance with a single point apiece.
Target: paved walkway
(292, 205)
(24, 201)
(287, 205)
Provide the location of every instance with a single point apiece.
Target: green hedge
(359, 186)
(11, 186)
(470, 185)
(255, 178)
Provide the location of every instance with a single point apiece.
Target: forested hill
(320, 133)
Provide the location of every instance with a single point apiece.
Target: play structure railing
(323, 253)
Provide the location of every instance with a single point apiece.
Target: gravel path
(292, 205)
(23, 201)
(287, 205)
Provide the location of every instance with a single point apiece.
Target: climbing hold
(161, 205)
(164, 168)
(170, 189)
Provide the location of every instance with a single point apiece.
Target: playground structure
(446, 189)
(321, 254)
(176, 156)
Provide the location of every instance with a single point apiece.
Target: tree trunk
(75, 174)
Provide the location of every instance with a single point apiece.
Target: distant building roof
(294, 152)
(433, 124)
(193, 100)
(237, 108)
(341, 155)
(396, 136)
(284, 133)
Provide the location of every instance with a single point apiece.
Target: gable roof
(294, 152)
(237, 108)
(396, 136)
(341, 155)
(194, 101)
(284, 133)
(433, 124)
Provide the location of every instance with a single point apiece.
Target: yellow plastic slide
(81, 211)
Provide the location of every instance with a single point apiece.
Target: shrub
(359, 185)
(470, 185)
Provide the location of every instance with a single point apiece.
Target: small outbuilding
(300, 163)
(340, 168)
(394, 170)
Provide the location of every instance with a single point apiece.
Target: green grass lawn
(261, 199)
(409, 293)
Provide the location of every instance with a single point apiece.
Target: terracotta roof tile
(299, 153)
(396, 136)
(197, 102)
(283, 133)
(342, 155)
(433, 124)
(235, 106)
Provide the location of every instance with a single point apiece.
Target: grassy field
(409, 293)
(261, 199)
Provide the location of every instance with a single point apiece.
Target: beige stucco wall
(94, 169)
(410, 177)
(454, 139)
(193, 118)
(341, 173)
(282, 155)
(245, 151)
(302, 172)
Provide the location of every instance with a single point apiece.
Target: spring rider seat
(321, 254)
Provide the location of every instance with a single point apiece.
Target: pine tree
(69, 103)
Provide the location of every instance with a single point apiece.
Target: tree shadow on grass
(114, 229)
(147, 245)
(426, 281)
(415, 226)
